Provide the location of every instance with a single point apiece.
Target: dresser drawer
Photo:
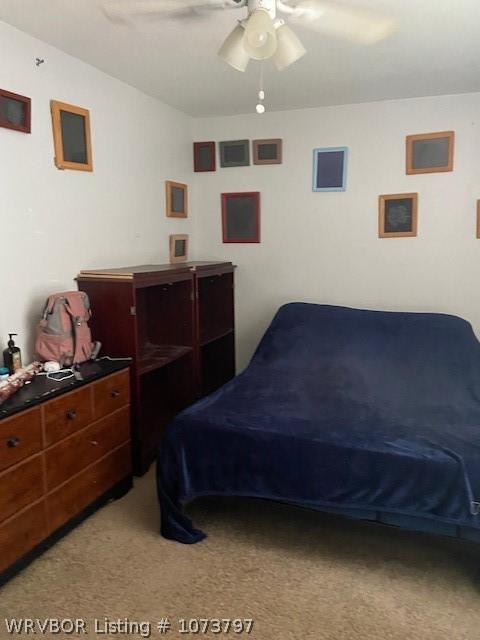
(20, 437)
(70, 456)
(111, 393)
(22, 533)
(67, 414)
(74, 496)
(21, 486)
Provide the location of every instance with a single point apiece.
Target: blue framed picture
(330, 169)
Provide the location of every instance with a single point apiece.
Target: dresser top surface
(42, 388)
(135, 271)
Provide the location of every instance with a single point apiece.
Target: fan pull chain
(261, 93)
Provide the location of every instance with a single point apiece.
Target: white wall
(324, 246)
(54, 223)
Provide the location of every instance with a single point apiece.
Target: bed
(370, 414)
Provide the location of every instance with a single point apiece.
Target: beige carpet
(298, 574)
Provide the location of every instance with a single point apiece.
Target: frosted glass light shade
(289, 48)
(233, 51)
(260, 36)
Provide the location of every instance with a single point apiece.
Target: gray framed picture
(397, 216)
(430, 152)
(235, 153)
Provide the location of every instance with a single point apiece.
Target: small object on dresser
(14, 382)
(4, 373)
(12, 356)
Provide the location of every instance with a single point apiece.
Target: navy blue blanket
(338, 408)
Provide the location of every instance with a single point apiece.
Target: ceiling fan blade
(340, 20)
(121, 10)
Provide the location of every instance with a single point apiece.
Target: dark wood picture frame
(63, 158)
(240, 149)
(262, 151)
(233, 219)
(200, 150)
(25, 126)
(173, 210)
(417, 145)
(178, 242)
(400, 229)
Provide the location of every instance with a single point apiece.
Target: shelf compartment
(217, 362)
(215, 307)
(156, 356)
(216, 337)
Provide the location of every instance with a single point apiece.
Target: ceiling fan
(262, 34)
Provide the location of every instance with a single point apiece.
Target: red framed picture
(204, 156)
(15, 111)
(241, 217)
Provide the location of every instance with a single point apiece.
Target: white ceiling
(435, 50)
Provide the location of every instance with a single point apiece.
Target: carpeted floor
(298, 574)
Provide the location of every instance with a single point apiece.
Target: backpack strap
(79, 315)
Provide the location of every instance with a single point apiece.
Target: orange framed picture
(430, 152)
(71, 136)
(178, 248)
(177, 199)
(398, 215)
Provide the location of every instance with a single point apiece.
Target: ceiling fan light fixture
(232, 50)
(260, 40)
(289, 48)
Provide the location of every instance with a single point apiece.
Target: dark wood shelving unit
(176, 322)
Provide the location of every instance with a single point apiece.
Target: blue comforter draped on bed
(338, 408)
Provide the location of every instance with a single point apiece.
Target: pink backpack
(63, 334)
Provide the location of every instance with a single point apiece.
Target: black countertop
(42, 388)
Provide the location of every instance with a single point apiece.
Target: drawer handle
(13, 443)
(115, 394)
(72, 414)
(94, 443)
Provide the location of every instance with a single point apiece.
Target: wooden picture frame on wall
(478, 219)
(177, 199)
(430, 152)
(267, 151)
(241, 217)
(330, 169)
(15, 111)
(235, 153)
(204, 157)
(71, 136)
(398, 215)
(178, 248)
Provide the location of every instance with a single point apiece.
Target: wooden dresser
(177, 323)
(64, 451)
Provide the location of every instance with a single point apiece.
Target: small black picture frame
(398, 215)
(204, 157)
(15, 111)
(241, 217)
(235, 153)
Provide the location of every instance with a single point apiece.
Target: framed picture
(178, 248)
(204, 156)
(241, 217)
(267, 151)
(71, 136)
(15, 111)
(478, 219)
(235, 153)
(430, 152)
(330, 169)
(177, 199)
(397, 215)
